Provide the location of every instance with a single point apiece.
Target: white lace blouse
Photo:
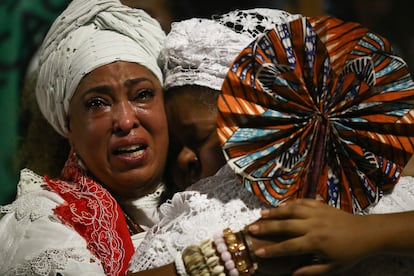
(35, 242)
(194, 215)
(221, 201)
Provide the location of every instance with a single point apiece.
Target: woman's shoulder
(29, 182)
(33, 237)
(33, 200)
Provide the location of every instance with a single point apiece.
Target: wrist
(393, 232)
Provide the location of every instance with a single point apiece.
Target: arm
(338, 238)
(166, 270)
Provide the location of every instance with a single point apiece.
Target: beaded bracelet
(194, 261)
(242, 258)
(212, 261)
(225, 255)
(240, 255)
(236, 244)
(179, 265)
(233, 249)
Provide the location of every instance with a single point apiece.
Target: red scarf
(92, 211)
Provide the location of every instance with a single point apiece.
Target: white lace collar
(145, 209)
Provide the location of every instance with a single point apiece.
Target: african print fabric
(318, 108)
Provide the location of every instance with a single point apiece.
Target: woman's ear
(69, 134)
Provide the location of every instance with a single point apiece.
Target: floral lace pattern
(33, 239)
(190, 41)
(192, 216)
(95, 215)
(215, 203)
(49, 262)
(30, 207)
(253, 22)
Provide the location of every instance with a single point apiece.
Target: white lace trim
(48, 262)
(26, 204)
(29, 181)
(253, 22)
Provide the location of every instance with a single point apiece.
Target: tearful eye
(144, 95)
(95, 103)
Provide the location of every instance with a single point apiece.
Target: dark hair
(41, 148)
(202, 95)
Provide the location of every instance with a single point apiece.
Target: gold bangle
(239, 252)
(243, 262)
(249, 245)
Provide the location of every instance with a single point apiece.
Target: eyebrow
(129, 83)
(104, 89)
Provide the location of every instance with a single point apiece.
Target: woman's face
(194, 146)
(118, 127)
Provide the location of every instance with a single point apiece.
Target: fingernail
(265, 213)
(260, 252)
(253, 228)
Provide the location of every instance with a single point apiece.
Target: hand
(306, 226)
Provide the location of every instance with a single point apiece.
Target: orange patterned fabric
(318, 107)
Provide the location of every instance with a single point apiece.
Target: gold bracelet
(242, 260)
(249, 245)
(239, 251)
(231, 240)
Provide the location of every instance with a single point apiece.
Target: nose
(188, 164)
(125, 118)
(186, 158)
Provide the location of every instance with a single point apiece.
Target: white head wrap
(89, 34)
(200, 51)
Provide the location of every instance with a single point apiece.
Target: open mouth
(131, 151)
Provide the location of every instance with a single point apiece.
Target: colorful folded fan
(318, 108)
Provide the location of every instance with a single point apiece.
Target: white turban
(200, 51)
(89, 34)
